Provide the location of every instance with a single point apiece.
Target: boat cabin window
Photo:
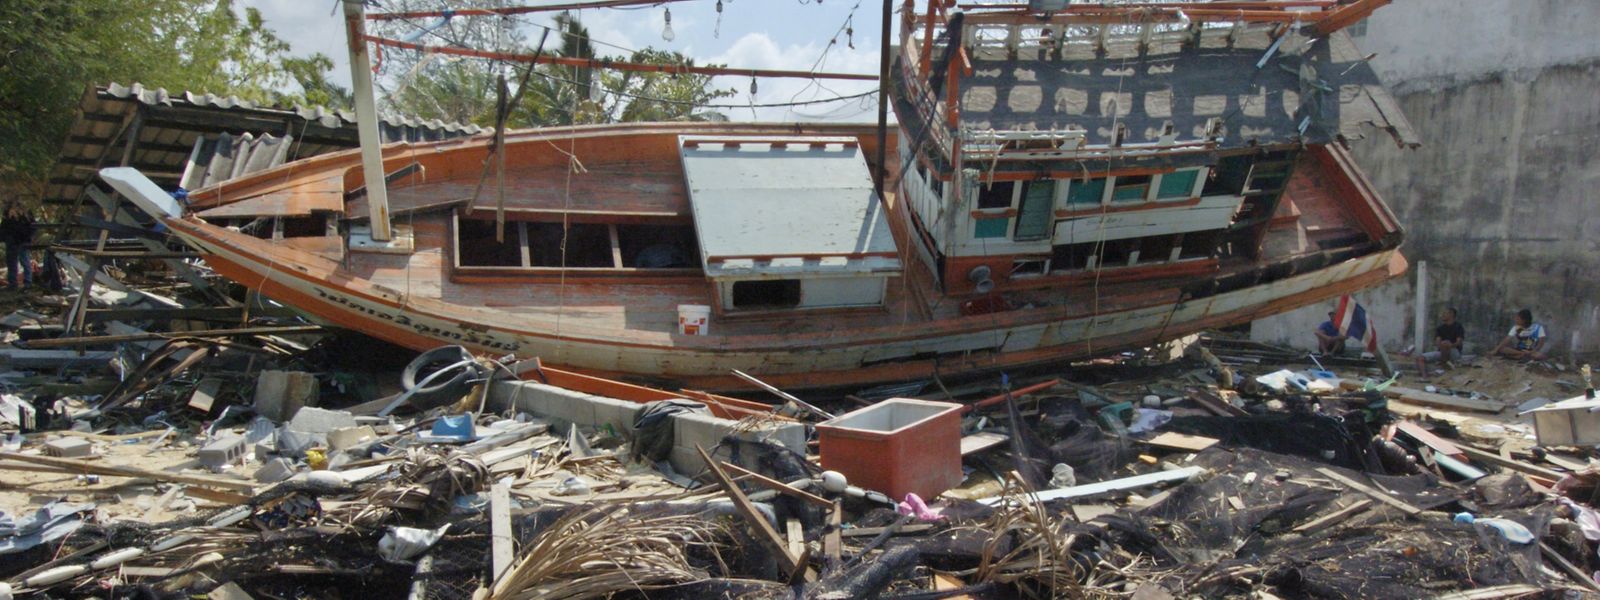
(1089, 192)
(1228, 177)
(1177, 185)
(770, 293)
(995, 195)
(1130, 188)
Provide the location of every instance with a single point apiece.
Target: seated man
(1447, 338)
(1329, 341)
(1525, 341)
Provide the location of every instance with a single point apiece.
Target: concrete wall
(1499, 200)
(563, 407)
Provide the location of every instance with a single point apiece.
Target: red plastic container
(897, 446)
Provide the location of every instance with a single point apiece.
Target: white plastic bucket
(694, 319)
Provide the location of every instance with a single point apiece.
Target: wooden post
(367, 120)
(500, 530)
(81, 306)
(881, 181)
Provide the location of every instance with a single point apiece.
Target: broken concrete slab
(281, 394)
(311, 419)
(275, 470)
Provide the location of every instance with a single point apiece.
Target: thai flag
(1351, 320)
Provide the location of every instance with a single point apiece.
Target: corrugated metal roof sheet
(173, 123)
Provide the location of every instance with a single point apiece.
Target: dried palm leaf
(605, 550)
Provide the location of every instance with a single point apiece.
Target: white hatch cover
(794, 207)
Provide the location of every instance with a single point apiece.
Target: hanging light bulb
(666, 32)
(717, 32)
(752, 86)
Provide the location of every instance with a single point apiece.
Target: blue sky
(770, 34)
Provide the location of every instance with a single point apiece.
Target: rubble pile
(252, 465)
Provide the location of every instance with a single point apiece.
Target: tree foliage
(51, 51)
(463, 90)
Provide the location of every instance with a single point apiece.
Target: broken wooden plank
(1322, 522)
(1514, 590)
(1513, 464)
(1182, 441)
(832, 545)
(1215, 404)
(1370, 491)
(501, 536)
(1571, 570)
(85, 467)
(1416, 396)
(1427, 438)
(855, 532)
(1126, 483)
(764, 530)
(1085, 513)
(103, 340)
(797, 537)
(980, 441)
(779, 486)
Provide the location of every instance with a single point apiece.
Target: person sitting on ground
(1525, 341)
(1329, 340)
(1447, 338)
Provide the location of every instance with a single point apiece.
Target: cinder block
(222, 451)
(68, 447)
(281, 394)
(315, 420)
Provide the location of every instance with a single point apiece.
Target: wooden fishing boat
(1059, 185)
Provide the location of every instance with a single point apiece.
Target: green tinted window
(1177, 185)
(1086, 192)
(992, 228)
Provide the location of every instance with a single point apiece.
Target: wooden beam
(86, 467)
(501, 536)
(100, 340)
(764, 530)
(779, 486)
(1513, 464)
(1408, 509)
(1323, 521)
(1570, 569)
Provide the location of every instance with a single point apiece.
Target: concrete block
(311, 419)
(345, 437)
(281, 394)
(223, 451)
(205, 394)
(691, 429)
(275, 470)
(569, 406)
(619, 414)
(68, 447)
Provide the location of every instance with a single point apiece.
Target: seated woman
(1525, 341)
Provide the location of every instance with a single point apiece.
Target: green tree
(50, 51)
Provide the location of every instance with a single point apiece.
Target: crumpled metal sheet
(52, 522)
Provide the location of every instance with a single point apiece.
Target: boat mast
(367, 120)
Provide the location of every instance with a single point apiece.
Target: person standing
(16, 230)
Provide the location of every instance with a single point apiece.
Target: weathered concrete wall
(1500, 199)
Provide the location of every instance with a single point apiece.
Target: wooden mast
(367, 121)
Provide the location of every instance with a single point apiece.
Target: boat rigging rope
(1100, 233)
